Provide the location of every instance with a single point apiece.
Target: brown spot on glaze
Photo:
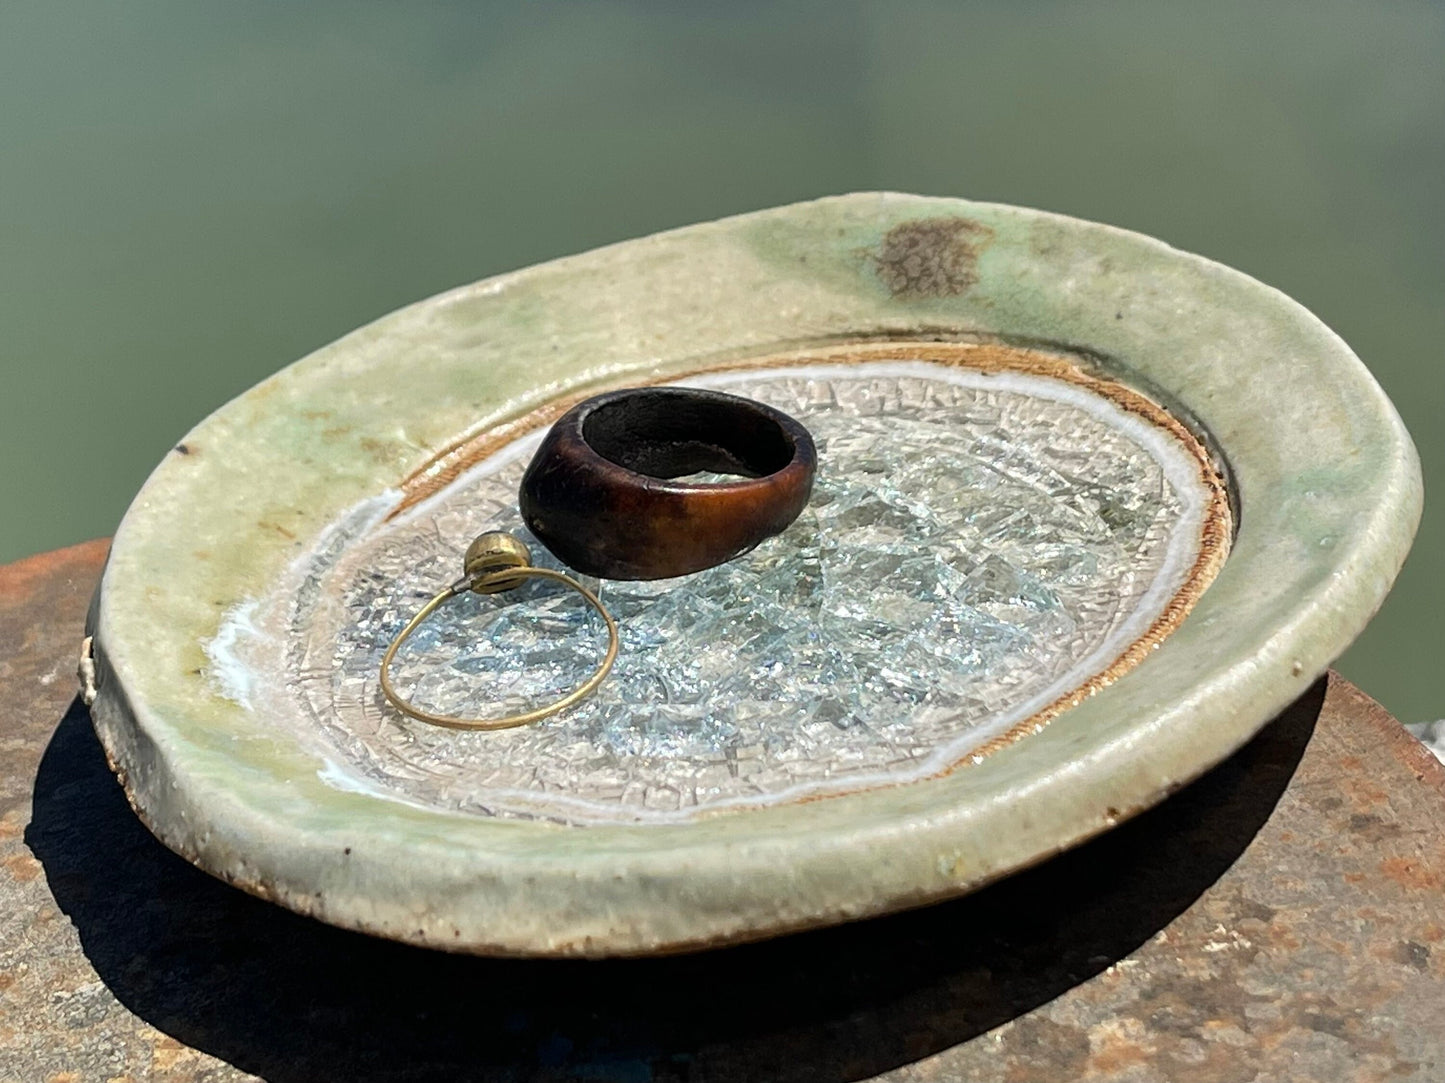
(931, 257)
(383, 451)
(278, 528)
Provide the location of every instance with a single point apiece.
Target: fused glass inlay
(978, 546)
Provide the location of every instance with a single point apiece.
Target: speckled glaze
(1325, 477)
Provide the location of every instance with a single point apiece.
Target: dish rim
(1326, 479)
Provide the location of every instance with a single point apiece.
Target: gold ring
(494, 563)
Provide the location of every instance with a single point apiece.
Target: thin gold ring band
(501, 579)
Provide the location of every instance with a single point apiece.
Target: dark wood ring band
(602, 491)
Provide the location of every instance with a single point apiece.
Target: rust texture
(1280, 919)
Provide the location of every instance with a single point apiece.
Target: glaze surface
(1325, 478)
(979, 546)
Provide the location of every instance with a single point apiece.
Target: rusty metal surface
(1283, 918)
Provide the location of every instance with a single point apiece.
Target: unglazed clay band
(604, 491)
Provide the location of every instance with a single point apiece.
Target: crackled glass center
(977, 547)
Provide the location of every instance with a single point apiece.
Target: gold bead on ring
(497, 562)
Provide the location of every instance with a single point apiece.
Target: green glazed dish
(1298, 490)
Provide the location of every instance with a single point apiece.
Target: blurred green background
(194, 194)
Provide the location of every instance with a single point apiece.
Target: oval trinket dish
(1089, 511)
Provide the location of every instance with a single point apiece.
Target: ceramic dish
(1197, 496)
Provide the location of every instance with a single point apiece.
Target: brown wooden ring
(602, 491)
